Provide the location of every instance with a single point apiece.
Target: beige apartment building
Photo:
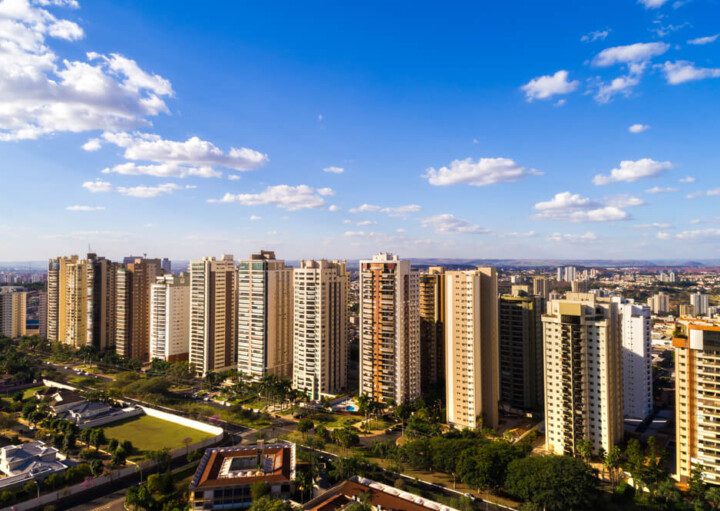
(472, 348)
(133, 282)
(389, 329)
(432, 323)
(583, 374)
(13, 307)
(697, 398)
(320, 327)
(170, 318)
(213, 314)
(265, 316)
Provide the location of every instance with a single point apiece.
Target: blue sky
(331, 129)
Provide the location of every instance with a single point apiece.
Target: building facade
(170, 318)
(265, 316)
(659, 303)
(320, 348)
(13, 312)
(583, 374)
(432, 332)
(389, 329)
(700, 303)
(636, 333)
(472, 352)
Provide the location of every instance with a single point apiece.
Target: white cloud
(652, 4)
(661, 189)
(171, 158)
(148, 192)
(364, 223)
(392, 211)
(662, 235)
(255, 218)
(624, 201)
(687, 180)
(595, 35)
(334, 170)
(713, 192)
(654, 225)
(547, 86)
(622, 85)
(630, 171)
(233, 177)
(638, 128)
(92, 145)
(698, 234)
(704, 40)
(448, 223)
(574, 207)
(683, 71)
(573, 238)
(291, 198)
(333, 208)
(97, 186)
(483, 172)
(78, 207)
(629, 54)
(520, 234)
(42, 93)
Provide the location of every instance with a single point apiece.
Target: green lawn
(28, 393)
(151, 434)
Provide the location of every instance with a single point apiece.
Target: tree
(344, 468)
(268, 503)
(97, 438)
(161, 457)
(304, 483)
(612, 462)
(187, 441)
(712, 497)
(259, 490)
(119, 456)
(486, 467)
(305, 425)
(697, 486)
(112, 444)
(96, 467)
(552, 483)
(583, 448)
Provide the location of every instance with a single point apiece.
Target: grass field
(151, 434)
(28, 393)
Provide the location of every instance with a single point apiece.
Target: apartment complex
(697, 403)
(213, 314)
(700, 303)
(13, 307)
(319, 327)
(583, 373)
(432, 321)
(635, 331)
(389, 329)
(265, 316)
(521, 352)
(472, 348)
(659, 303)
(133, 282)
(170, 318)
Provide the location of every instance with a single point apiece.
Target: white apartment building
(700, 303)
(319, 327)
(659, 303)
(170, 318)
(583, 373)
(636, 333)
(389, 329)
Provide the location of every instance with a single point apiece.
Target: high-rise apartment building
(521, 352)
(13, 309)
(213, 314)
(432, 333)
(42, 314)
(320, 327)
(583, 374)
(265, 316)
(697, 403)
(170, 318)
(700, 303)
(472, 358)
(635, 331)
(566, 273)
(389, 329)
(659, 303)
(540, 287)
(133, 282)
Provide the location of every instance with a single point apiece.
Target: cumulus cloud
(97, 186)
(630, 171)
(148, 192)
(698, 234)
(92, 145)
(483, 172)
(682, 71)
(291, 198)
(654, 225)
(595, 35)
(713, 192)
(255, 218)
(574, 207)
(630, 54)
(661, 189)
(652, 4)
(449, 223)
(686, 180)
(392, 210)
(82, 208)
(333, 208)
(572, 238)
(42, 93)
(547, 86)
(334, 170)
(171, 158)
(704, 40)
(365, 223)
(620, 86)
(638, 128)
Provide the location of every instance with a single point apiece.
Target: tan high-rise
(265, 316)
(13, 307)
(133, 284)
(170, 318)
(697, 400)
(389, 329)
(319, 330)
(472, 348)
(213, 309)
(583, 374)
(432, 333)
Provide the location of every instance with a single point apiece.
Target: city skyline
(342, 131)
